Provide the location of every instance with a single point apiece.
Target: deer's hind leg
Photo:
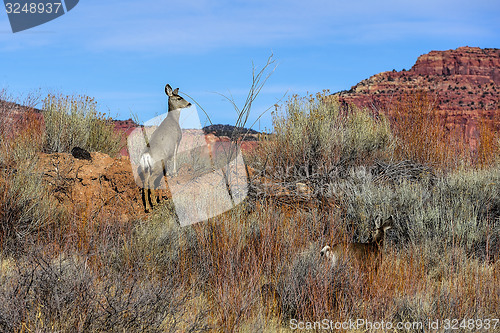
(146, 199)
(151, 179)
(145, 191)
(155, 193)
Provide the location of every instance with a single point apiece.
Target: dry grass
(422, 134)
(424, 138)
(488, 140)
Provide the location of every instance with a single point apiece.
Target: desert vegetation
(256, 268)
(74, 121)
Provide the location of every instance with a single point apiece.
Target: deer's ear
(176, 91)
(168, 90)
(389, 223)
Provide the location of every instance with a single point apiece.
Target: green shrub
(459, 209)
(313, 137)
(74, 121)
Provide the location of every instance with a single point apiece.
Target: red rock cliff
(465, 84)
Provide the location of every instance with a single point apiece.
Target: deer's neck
(378, 238)
(174, 115)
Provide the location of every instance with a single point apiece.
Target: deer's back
(362, 253)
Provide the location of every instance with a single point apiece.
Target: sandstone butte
(464, 85)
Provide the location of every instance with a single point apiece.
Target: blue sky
(124, 52)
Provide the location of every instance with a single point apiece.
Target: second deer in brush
(367, 255)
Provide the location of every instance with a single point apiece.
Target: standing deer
(366, 255)
(162, 147)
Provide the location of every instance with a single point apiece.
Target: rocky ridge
(465, 84)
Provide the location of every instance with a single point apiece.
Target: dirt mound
(103, 185)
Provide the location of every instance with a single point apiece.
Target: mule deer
(161, 148)
(366, 255)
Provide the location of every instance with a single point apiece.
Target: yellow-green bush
(315, 136)
(75, 121)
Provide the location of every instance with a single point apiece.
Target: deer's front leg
(175, 159)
